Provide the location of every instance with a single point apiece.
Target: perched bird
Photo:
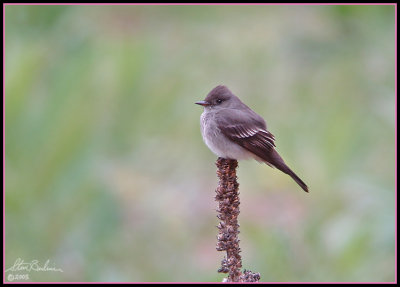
(232, 130)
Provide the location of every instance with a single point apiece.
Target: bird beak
(203, 103)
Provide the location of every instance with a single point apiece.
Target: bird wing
(248, 130)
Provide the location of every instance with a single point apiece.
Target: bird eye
(219, 101)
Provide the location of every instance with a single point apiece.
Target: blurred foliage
(106, 172)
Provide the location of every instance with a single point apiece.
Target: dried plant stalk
(227, 196)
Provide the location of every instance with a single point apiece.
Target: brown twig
(227, 196)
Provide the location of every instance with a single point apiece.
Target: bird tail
(296, 179)
(278, 162)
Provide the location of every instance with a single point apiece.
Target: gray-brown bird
(233, 131)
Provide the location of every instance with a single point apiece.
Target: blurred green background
(107, 175)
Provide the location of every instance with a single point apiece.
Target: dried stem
(227, 196)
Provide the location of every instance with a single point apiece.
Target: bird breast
(217, 142)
